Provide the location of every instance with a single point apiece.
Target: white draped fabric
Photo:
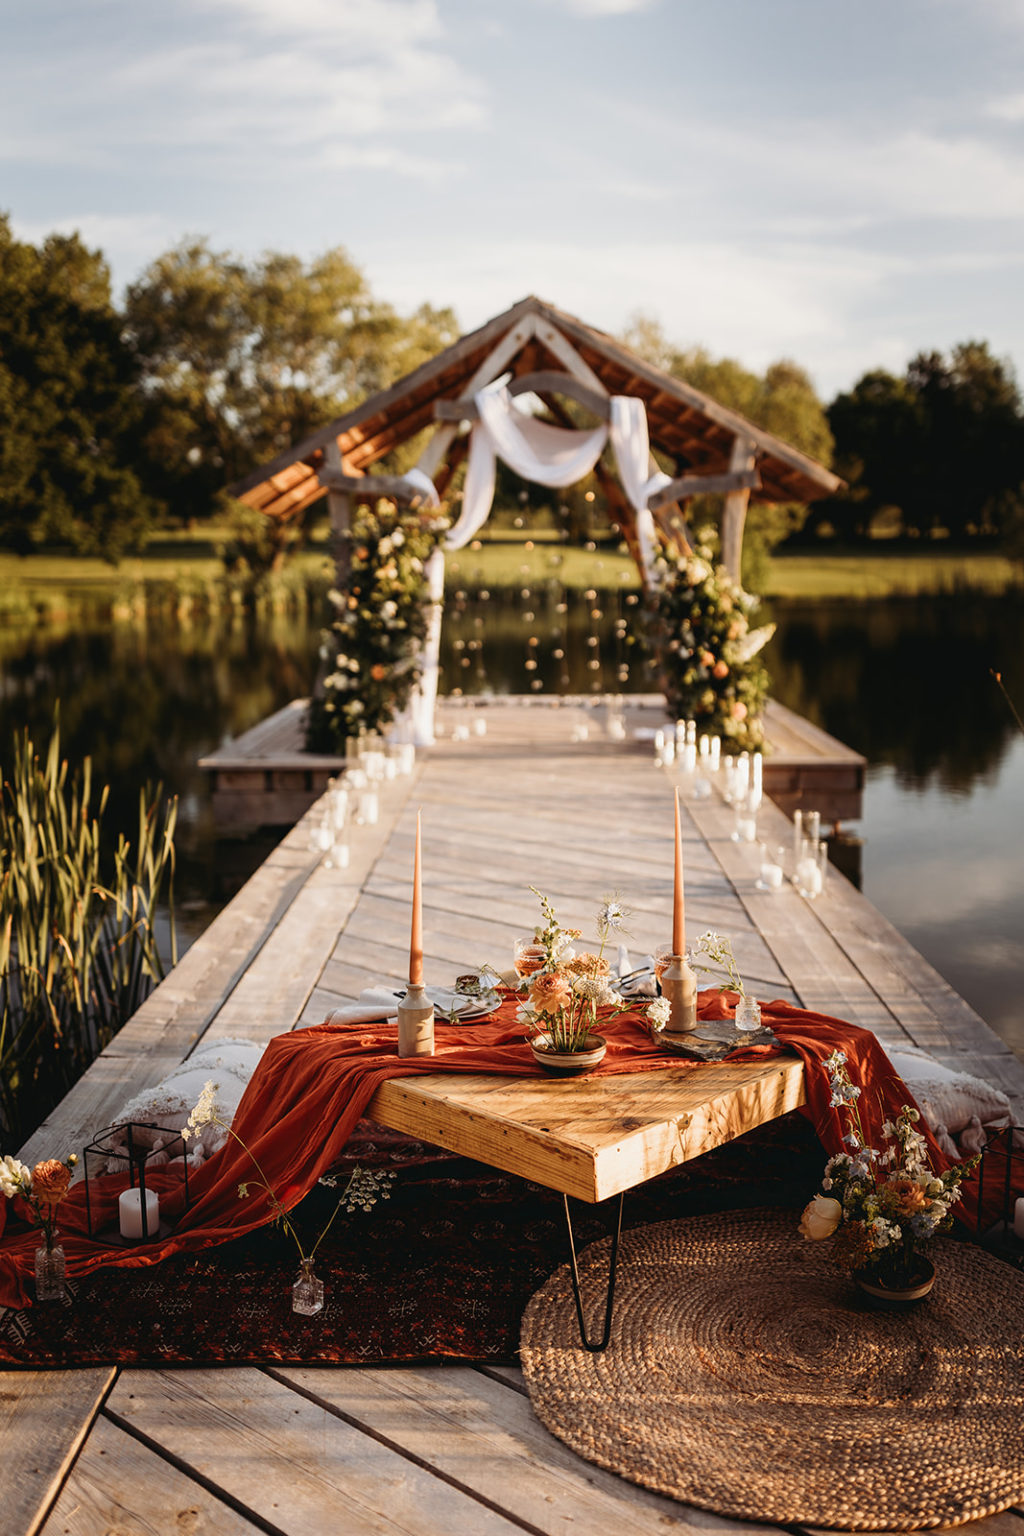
(539, 452)
(546, 455)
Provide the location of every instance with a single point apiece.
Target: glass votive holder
(368, 813)
(340, 855)
(772, 868)
(744, 820)
(321, 835)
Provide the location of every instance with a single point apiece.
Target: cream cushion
(958, 1107)
(229, 1063)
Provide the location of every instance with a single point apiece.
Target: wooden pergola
(544, 352)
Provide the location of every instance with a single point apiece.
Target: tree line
(117, 419)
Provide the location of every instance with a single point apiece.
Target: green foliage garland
(370, 652)
(705, 650)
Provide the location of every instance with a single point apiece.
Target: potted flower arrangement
(565, 991)
(707, 653)
(371, 652)
(878, 1207)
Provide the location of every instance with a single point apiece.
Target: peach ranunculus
(550, 993)
(908, 1196)
(739, 710)
(50, 1180)
(820, 1217)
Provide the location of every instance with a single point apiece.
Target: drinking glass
(527, 956)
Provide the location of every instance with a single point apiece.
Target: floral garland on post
(371, 651)
(705, 651)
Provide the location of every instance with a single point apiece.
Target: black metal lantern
(1001, 1193)
(120, 1164)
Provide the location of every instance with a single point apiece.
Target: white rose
(15, 1178)
(821, 1217)
(659, 1012)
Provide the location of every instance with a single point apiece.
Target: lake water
(905, 682)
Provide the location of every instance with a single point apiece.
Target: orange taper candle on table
(416, 939)
(678, 900)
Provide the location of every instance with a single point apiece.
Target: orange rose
(550, 993)
(908, 1195)
(720, 669)
(50, 1181)
(378, 672)
(739, 710)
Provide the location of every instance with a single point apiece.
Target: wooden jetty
(265, 778)
(439, 1450)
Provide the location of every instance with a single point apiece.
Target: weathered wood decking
(444, 1449)
(265, 778)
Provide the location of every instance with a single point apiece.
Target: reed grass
(78, 950)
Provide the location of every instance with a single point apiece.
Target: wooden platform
(264, 778)
(442, 1450)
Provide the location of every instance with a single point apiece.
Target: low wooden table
(592, 1137)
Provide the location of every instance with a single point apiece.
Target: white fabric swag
(554, 456)
(545, 455)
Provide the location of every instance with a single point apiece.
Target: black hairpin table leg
(595, 1347)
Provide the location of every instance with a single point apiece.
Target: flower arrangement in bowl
(564, 993)
(880, 1207)
(43, 1189)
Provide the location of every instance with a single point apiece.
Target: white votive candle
(1018, 1219)
(129, 1213)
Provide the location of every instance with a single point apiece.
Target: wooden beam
(734, 512)
(546, 382)
(369, 487)
(340, 510)
(566, 353)
(493, 364)
(704, 485)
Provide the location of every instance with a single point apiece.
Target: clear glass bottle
(308, 1291)
(50, 1269)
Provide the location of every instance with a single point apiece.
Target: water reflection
(905, 682)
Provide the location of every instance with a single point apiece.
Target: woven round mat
(747, 1375)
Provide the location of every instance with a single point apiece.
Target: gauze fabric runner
(313, 1085)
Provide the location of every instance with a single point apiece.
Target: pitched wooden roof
(695, 430)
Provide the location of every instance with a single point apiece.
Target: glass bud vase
(308, 1291)
(50, 1270)
(748, 1014)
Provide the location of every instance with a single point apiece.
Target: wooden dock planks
(439, 1449)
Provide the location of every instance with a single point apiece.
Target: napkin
(375, 1003)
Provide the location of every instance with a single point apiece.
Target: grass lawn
(37, 586)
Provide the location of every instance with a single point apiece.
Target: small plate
(466, 1009)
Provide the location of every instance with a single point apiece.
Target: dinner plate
(446, 1001)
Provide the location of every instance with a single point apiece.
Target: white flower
(398, 538)
(592, 988)
(612, 914)
(15, 1177)
(659, 1012)
(384, 547)
(388, 609)
(820, 1217)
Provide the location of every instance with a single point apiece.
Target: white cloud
(1007, 109)
(606, 7)
(135, 238)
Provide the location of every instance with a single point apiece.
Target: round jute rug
(746, 1375)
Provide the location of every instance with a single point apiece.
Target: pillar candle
(678, 914)
(1018, 1218)
(416, 940)
(129, 1213)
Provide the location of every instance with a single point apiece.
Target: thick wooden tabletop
(592, 1136)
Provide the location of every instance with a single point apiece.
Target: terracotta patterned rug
(442, 1270)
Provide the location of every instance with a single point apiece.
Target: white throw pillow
(228, 1063)
(958, 1107)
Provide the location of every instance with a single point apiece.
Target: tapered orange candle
(678, 909)
(416, 940)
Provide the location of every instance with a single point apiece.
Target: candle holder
(123, 1159)
(415, 1022)
(679, 986)
(1000, 1173)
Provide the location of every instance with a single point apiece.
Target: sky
(841, 184)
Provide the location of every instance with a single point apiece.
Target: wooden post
(734, 510)
(339, 506)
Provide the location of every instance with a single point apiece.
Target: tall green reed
(78, 946)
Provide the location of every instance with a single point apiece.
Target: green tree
(782, 401)
(944, 445)
(240, 361)
(68, 403)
